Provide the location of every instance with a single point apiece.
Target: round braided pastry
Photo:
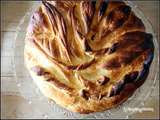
(87, 56)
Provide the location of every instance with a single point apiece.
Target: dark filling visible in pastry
(133, 77)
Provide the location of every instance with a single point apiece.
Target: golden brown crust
(87, 56)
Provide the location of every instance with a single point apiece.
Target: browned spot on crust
(71, 67)
(129, 87)
(87, 47)
(86, 65)
(93, 89)
(58, 84)
(39, 70)
(131, 76)
(118, 16)
(84, 93)
(112, 64)
(103, 80)
(88, 83)
(101, 52)
(113, 48)
(127, 57)
(82, 66)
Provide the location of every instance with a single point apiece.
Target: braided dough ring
(87, 56)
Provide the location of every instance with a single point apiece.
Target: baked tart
(87, 56)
